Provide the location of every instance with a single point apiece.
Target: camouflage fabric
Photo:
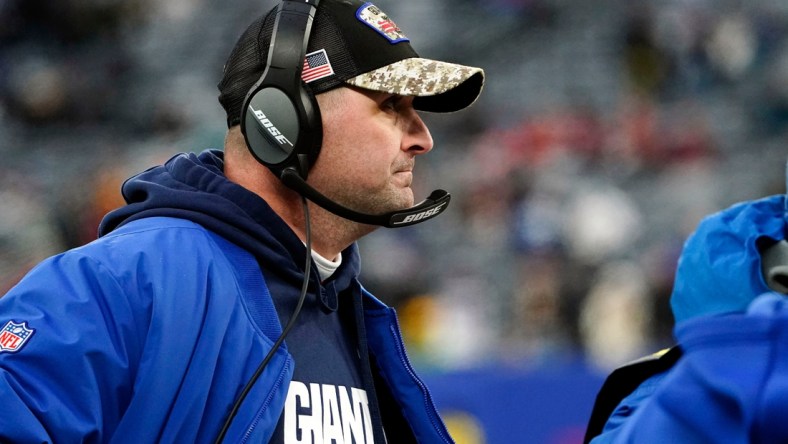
(415, 77)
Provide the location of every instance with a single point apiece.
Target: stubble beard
(377, 202)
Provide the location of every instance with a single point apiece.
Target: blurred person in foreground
(727, 379)
(170, 327)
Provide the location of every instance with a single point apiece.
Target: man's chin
(381, 202)
(407, 201)
(397, 203)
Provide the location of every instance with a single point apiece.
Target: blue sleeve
(729, 387)
(627, 408)
(66, 379)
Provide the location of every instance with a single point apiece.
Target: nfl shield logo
(13, 336)
(376, 19)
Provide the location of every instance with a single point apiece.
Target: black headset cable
(290, 323)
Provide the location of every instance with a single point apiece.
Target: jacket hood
(193, 187)
(720, 270)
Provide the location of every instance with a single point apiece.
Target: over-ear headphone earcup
(280, 118)
(282, 130)
(271, 126)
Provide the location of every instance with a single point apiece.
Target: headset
(289, 146)
(280, 118)
(281, 123)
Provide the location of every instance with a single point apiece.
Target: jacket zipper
(431, 411)
(265, 405)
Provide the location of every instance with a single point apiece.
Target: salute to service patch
(372, 16)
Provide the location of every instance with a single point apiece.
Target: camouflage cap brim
(438, 86)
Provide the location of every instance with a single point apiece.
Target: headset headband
(280, 119)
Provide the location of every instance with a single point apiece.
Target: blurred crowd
(606, 131)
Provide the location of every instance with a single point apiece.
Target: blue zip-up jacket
(729, 385)
(148, 334)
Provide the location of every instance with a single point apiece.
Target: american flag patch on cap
(316, 66)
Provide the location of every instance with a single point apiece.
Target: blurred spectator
(603, 223)
(645, 62)
(65, 61)
(772, 102)
(27, 231)
(732, 46)
(538, 329)
(615, 327)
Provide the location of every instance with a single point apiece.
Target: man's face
(370, 142)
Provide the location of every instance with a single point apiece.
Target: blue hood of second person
(719, 270)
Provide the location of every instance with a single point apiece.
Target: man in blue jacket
(727, 380)
(218, 305)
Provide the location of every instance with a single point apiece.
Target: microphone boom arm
(430, 207)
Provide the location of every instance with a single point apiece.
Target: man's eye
(391, 103)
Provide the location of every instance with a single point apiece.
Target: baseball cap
(352, 43)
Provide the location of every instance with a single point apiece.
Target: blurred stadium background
(606, 130)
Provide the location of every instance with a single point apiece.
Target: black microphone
(430, 207)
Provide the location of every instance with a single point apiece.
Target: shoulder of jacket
(153, 240)
(157, 230)
(623, 381)
(154, 224)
